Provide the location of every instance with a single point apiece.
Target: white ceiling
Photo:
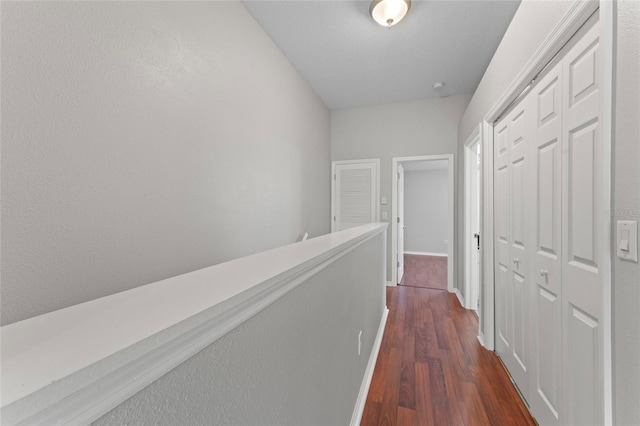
(351, 61)
(413, 166)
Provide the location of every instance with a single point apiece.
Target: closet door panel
(511, 203)
(545, 401)
(502, 260)
(582, 196)
(582, 293)
(546, 265)
(583, 382)
(519, 140)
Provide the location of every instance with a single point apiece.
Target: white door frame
(376, 163)
(450, 215)
(474, 138)
(575, 17)
(398, 225)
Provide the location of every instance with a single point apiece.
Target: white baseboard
(390, 284)
(368, 373)
(481, 339)
(460, 298)
(425, 253)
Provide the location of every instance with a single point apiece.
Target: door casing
(399, 224)
(451, 262)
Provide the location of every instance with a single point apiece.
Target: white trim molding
(569, 24)
(368, 375)
(459, 295)
(486, 244)
(607, 20)
(132, 338)
(451, 167)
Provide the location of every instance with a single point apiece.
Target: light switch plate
(383, 201)
(627, 240)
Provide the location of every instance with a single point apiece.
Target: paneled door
(583, 234)
(546, 256)
(511, 214)
(355, 190)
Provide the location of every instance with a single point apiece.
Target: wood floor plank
(438, 392)
(371, 414)
(424, 402)
(431, 369)
(389, 406)
(473, 413)
(407, 417)
(452, 377)
(407, 397)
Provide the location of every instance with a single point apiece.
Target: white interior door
(475, 226)
(400, 224)
(355, 193)
(512, 293)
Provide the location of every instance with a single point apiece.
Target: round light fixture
(438, 86)
(389, 12)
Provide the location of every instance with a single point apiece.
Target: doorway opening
(422, 221)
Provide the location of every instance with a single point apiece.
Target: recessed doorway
(422, 221)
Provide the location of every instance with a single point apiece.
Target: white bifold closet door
(511, 198)
(548, 238)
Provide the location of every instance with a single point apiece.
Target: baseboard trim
(459, 295)
(426, 253)
(390, 284)
(481, 339)
(368, 373)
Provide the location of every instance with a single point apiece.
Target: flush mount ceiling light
(389, 12)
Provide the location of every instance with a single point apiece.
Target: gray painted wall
(426, 127)
(626, 201)
(142, 140)
(531, 24)
(426, 206)
(295, 363)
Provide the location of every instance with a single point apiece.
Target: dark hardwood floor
(425, 271)
(431, 369)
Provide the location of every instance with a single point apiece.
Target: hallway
(431, 370)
